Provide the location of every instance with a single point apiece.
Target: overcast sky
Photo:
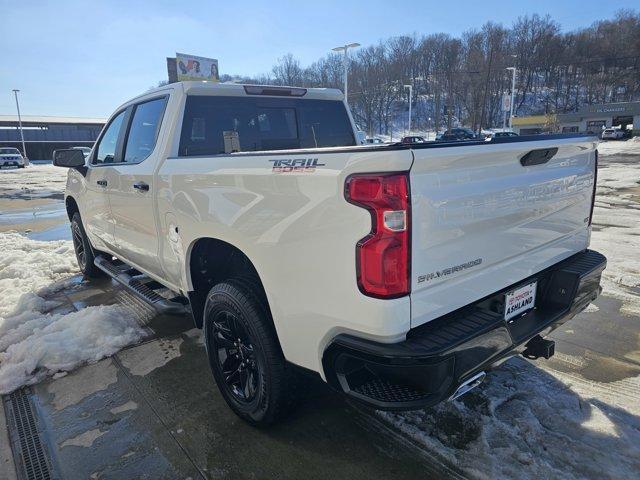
(84, 58)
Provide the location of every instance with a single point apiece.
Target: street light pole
(24, 148)
(345, 63)
(410, 87)
(513, 91)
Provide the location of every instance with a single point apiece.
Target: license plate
(519, 300)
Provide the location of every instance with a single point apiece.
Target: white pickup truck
(399, 273)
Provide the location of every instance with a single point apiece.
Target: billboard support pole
(24, 148)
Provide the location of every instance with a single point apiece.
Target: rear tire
(244, 353)
(85, 254)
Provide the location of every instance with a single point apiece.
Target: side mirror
(69, 158)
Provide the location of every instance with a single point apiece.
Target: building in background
(593, 118)
(534, 124)
(590, 118)
(42, 135)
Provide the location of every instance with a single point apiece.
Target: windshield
(9, 151)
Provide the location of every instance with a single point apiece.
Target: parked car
(374, 140)
(501, 135)
(395, 274)
(413, 139)
(612, 134)
(457, 134)
(85, 150)
(11, 157)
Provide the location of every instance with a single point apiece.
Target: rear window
(213, 125)
(9, 151)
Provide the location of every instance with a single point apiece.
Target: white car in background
(612, 134)
(11, 157)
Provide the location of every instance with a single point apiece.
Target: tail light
(593, 195)
(383, 257)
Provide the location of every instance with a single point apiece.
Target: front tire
(244, 354)
(85, 255)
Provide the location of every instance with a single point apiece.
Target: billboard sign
(506, 102)
(190, 67)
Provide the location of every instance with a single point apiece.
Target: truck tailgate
(482, 221)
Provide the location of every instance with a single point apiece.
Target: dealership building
(43, 135)
(590, 118)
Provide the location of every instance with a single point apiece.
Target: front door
(96, 210)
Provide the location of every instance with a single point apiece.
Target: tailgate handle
(538, 157)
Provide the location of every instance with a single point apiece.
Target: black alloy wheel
(236, 357)
(85, 254)
(244, 353)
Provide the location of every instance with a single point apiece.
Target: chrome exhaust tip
(468, 385)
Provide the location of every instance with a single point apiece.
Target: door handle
(538, 157)
(102, 183)
(143, 187)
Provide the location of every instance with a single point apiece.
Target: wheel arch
(71, 206)
(210, 261)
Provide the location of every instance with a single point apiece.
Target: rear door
(484, 217)
(132, 193)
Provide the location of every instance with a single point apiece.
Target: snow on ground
(529, 421)
(618, 147)
(34, 181)
(36, 342)
(524, 422)
(616, 230)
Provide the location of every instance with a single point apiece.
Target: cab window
(143, 130)
(106, 150)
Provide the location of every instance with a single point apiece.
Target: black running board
(122, 274)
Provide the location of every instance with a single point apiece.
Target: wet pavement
(153, 411)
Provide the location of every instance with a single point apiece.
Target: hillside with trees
(463, 79)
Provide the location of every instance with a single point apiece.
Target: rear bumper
(440, 355)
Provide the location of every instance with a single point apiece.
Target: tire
(244, 354)
(85, 254)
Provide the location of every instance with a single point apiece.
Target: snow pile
(620, 147)
(34, 181)
(35, 342)
(525, 423)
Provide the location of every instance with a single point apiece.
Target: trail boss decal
(300, 165)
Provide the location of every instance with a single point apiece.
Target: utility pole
(410, 87)
(24, 148)
(345, 63)
(513, 91)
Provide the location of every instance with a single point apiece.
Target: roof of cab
(236, 89)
